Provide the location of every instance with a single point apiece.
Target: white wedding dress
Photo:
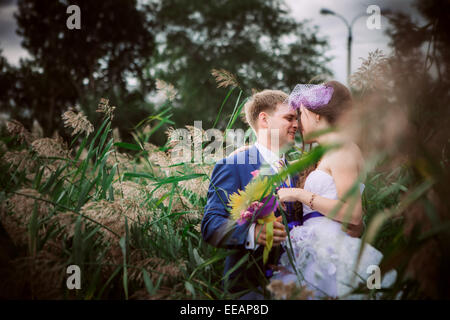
(325, 256)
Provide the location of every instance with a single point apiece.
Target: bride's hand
(288, 194)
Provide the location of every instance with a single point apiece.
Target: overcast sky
(364, 39)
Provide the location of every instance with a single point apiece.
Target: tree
(178, 41)
(77, 66)
(255, 39)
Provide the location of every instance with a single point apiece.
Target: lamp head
(326, 11)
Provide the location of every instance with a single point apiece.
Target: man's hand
(279, 233)
(352, 230)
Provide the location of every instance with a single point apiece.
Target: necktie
(281, 165)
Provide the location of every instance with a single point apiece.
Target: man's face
(285, 120)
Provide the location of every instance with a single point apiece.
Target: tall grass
(130, 222)
(131, 219)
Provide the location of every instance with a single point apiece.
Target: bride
(325, 248)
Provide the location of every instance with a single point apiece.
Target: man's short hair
(264, 101)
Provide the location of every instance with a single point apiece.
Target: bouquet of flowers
(256, 204)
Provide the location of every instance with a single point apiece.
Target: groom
(275, 125)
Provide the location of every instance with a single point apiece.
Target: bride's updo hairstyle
(329, 100)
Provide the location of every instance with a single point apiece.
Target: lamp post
(349, 37)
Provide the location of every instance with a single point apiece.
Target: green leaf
(148, 283)
(107, 181)
(80, 149)
(37, 178)
(129, 146)
(33, 230)
(223, 103)
(236, 112)
(176, 179)
(139, 175)
(113, 275)
(104, 136)
(189, 287)
(236, 266)
(123, 246)
(151, 289)
(198, 260)
(85, 189)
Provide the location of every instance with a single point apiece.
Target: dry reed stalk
(105, 108)
(397, 123)
(372, 72)
(15, 128)
(3, 147)
(198, 186)
(156, 267)
(78, 122)
(112, 215)
(166, 89)
(36, 131)
(164, 292)
(155, 156)
(123, 161)
(16, 213)
(224, 78)
(43, 274)
(290, 291)
(20, 160)
(50, 147)
(179, 201)
(129, 190)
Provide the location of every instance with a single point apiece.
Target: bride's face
(308, 122)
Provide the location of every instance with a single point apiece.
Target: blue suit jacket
(228, 176)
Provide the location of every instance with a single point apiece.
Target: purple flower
(260, 208)
(270, 205)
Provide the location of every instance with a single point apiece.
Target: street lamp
(325, 11)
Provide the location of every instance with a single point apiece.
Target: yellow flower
(256, 190)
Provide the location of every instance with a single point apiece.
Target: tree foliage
(69, 67)
(178, 41)
(256, 40)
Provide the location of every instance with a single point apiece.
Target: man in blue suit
(275, 125)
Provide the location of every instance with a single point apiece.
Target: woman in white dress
(326, 246)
